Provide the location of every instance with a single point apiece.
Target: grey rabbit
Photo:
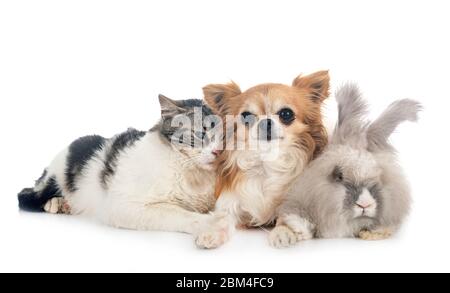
(355, 188)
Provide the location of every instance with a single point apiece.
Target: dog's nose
(266, 124)
(265, 128)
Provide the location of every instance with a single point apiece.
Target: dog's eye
(286, 115)
(248, 118)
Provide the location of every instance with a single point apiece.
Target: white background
(71, 68)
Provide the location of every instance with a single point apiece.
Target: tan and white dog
(272, 132)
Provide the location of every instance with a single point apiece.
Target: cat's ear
(217, 96)
(318, 84)
(169, 107)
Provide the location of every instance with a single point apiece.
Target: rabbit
(355, 188)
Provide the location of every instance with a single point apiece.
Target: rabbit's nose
(365, 200)
(364, 205)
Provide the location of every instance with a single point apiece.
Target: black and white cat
(162, 179)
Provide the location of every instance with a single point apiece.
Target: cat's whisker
(189, 160)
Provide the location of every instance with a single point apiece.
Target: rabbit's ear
(399, 111)
(352, 109)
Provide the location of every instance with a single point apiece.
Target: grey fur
(170, 109)
(118, 144)
(352, 110)
(399, 111)
(358, 157)
(354, 191)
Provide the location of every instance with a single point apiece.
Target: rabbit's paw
(290, 230)
(378, 234)
(301, 226)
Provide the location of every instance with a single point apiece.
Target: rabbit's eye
(337, 174)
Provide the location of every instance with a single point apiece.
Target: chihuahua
(272, 132)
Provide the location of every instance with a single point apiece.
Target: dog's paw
(57, 205)
(282, 236)
(378, 234)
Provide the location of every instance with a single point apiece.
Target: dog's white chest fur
(263, 185)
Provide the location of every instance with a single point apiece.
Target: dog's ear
(318, 84)
(217, 96)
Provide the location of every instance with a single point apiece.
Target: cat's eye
(337, 175)
(286, 115)
(211, 122)
(247, 118)
(200, 134)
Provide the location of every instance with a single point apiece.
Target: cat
(161, 179)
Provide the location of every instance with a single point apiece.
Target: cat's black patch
(207, 111)
(44, 174)
(190, 103)
(120, 142)
(80, 152)
(33, 201)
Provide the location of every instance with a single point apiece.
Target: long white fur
(154, 188)
(254, 200)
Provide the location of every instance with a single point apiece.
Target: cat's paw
(282, 236)
(215, 234)
(378, 234)
(57, 205)
(211, 239)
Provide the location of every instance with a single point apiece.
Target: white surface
(71, 68)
